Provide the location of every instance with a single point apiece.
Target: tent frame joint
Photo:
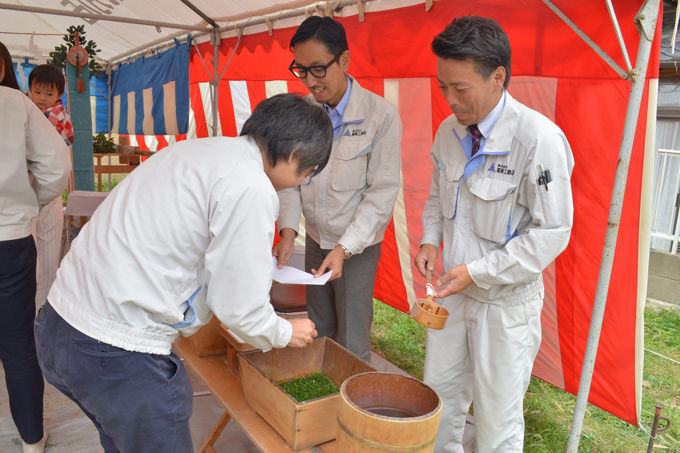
(214, 37)
(646, 18)
(632, 74)
(361, 8)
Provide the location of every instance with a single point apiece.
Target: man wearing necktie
(500, 204)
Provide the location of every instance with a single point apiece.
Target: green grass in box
(309, 387)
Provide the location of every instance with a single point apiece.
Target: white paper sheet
(292, 275)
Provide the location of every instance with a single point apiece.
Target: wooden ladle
(426, 311)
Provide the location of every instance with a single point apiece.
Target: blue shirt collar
(488, 123)
(336, 114)
(485, 126)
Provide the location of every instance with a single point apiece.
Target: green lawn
(548, 411)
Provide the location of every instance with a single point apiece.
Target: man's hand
(303, 332)
(425, 258)
(454, 281)
(284, 249)
(333, 262)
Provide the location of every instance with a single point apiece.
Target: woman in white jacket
(29, 143)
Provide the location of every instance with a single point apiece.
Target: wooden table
(113, 168)
(217, 374)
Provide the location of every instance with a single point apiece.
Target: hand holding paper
(292, 275)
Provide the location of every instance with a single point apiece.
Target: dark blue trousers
(17, 347)
(138, 402)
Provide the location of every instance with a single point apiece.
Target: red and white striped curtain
(554, 72)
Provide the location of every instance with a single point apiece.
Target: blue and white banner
(22, 70)
(151, 95)
(99, 103)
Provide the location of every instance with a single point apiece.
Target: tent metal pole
(109, 98)
(646, 23)
(128, 20)
(587, 39)
(215, 82)
(241, 25)
(203, 16)
(200, 57)
(240, 36)
(261, 16)
(617, 29)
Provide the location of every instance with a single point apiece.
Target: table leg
(207, 446)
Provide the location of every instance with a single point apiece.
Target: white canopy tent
(131, 26)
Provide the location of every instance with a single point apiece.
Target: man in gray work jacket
(349, 204)
(500, 202)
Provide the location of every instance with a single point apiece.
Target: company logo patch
(501, 168)
(354, 133)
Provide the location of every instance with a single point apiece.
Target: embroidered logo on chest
(500, 168)
(354, 133)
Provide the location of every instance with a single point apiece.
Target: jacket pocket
(449, 183)
(169, 366)
(350, 162)
(491, 208)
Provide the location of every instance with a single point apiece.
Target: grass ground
(548, 411)
(115, 179)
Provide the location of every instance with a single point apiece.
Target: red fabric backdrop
(589, 105)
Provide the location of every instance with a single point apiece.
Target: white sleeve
(48, 156)
(239, 263)
(433, 221)
(291, 208)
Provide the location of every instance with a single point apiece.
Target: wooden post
(81, 117)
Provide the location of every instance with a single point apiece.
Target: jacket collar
(500, 139)
(354, 112)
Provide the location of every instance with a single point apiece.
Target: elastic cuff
(477, 274)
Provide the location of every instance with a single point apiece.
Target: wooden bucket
(387, 412)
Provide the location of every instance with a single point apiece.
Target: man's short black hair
(47, 75)
(285, 123)
(325, 29)
(475, 38)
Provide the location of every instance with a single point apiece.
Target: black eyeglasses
(318, 71)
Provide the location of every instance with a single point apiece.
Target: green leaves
(309, 387)
(102, 144)
(58, 55)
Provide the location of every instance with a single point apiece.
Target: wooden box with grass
(307, 423)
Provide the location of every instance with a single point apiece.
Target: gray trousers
(343, 308)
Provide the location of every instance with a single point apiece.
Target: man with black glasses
(349, 204)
